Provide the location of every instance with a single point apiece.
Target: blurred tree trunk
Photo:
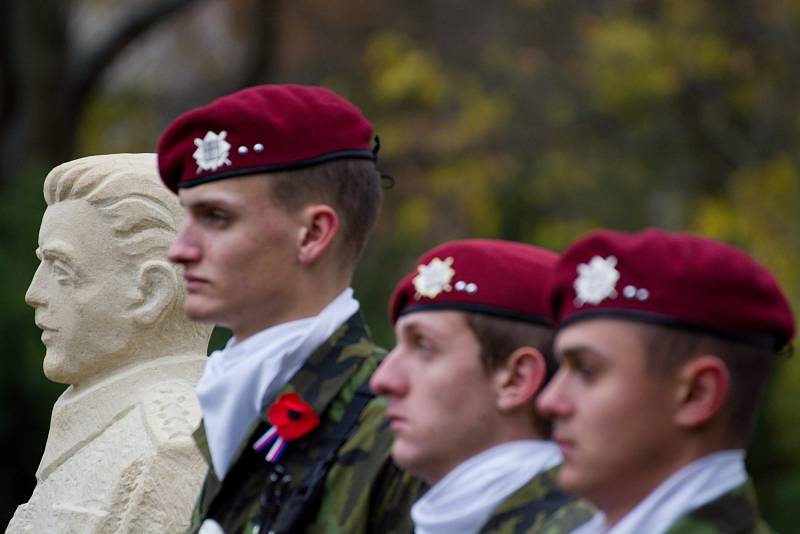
(45, 80)
(262, 26)
(34, 83)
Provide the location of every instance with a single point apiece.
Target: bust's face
(82, 293)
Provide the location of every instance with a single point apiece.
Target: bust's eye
(61, 271)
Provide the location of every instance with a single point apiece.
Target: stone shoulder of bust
(171, 412)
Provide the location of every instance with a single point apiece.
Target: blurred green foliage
(533, 120)
(25, 397)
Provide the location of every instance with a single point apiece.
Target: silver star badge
(596, 280)
(433, 278)
(212, 151)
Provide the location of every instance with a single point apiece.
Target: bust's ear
(158, 288)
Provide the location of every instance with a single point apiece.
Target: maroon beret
(500, 278)
(261, 129)
(674, 279)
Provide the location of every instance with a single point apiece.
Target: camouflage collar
(539, 503)
(321, 377)
(734, 511)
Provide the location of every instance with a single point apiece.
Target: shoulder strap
(308, 491)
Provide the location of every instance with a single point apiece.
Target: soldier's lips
(566, 446)
(194, 283)
(396, 422)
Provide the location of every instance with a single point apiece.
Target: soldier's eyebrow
(410, 332)
(210, 202)
(416, 328)
(578, 352)
(405, 330)
(206, 204)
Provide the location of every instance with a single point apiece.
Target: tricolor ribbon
(272, 442)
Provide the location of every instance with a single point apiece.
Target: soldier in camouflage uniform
(281, 190)
(666, 344)
(472, 352)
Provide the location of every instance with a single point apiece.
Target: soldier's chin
(569, 478)
(196, 309)
(406, 459)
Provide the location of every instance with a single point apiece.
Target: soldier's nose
(550, 402)
(387, 380)
(184, 250)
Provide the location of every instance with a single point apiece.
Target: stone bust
(119, 455)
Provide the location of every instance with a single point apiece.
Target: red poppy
(292, 416)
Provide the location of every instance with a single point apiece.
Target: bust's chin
(56, 371)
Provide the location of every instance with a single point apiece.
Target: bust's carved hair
(126, 189)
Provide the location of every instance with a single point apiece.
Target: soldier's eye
(583, 367)
(422, 343)
(213, 217)
(585, 370)
(216, 216)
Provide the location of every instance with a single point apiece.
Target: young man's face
(239, 252)
(611, 416)
(441, 401)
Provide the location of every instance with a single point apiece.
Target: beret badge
(596, 281)
(434, 278)
(212, 151)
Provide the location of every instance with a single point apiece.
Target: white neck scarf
(687, 489)
(239, 379)
(464, 499)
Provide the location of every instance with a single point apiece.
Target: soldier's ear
(519, 379)
(703, 385)
(157, 292)
(319, 224)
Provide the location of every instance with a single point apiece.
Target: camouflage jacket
(539, 506)
(363, 491)
(735, 512)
